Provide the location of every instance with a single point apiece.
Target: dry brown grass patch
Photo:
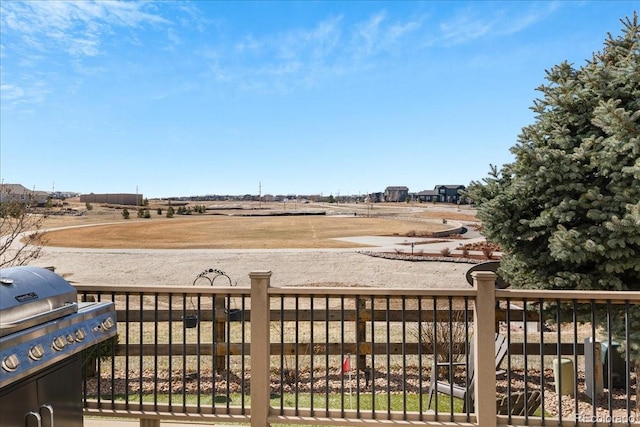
(223, 232)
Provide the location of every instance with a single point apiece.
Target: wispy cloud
(463, 29)
(77, 34)
(506, 19)
(330, 48)
(55, 32)
(76, 27)
(379, 36)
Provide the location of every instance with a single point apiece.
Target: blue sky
(212, 97)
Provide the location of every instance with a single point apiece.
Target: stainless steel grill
(43, 329)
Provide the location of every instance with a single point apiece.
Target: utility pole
(260, 194)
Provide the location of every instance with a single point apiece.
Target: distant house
(20, 194)
(442, 194)
(376, 197)
(396, 194)
(428, 196)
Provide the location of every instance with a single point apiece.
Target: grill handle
(12, 327)
(34, 415)
(48, 408)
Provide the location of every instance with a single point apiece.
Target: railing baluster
(627, 358)
(127, 347)
(170, 339)
(467, 353)
(199, 353)
(342, 356)
(434, 349)
(404, 358)
(184, 352)
(156, 324)
(452, 371)
(282, 356)
(243, 386)
(594, 363)
(373, 359)
(360, 366)
(297, 356)
(526, 341)
(113, 364)
(575, 352)
(610, 350)
(140, 345)
(214, 352)
(326, 357)
(228, 350)
(420, 367)
(311, 355)
(559, 359)
(388, 344)
(541, 347)
(509, 341)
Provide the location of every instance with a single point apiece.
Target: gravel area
(289, 267)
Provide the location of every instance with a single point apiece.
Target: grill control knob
(36, 352)
(80, 334)
(70, 338)
(107, 323)
(10, 363)
(59, 343)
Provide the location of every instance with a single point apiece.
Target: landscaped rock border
(408, 257)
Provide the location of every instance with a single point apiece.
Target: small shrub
(449, 339)
(446, 252)
(465, 252)
(488, 252)
(125, 213)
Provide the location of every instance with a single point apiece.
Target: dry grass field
(227, 229)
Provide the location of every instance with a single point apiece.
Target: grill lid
(33, 295)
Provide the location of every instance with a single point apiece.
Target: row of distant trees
(170, 212)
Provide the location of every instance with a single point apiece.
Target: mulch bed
(406, 380)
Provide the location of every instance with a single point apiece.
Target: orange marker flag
(346, 364)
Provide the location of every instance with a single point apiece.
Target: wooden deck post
(260, 346)
(484, 314)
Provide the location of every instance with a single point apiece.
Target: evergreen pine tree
(567, 210)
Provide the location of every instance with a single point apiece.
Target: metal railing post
(484, 315)
(260, 346)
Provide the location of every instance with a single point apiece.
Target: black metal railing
(347, 354)
(575, 356)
